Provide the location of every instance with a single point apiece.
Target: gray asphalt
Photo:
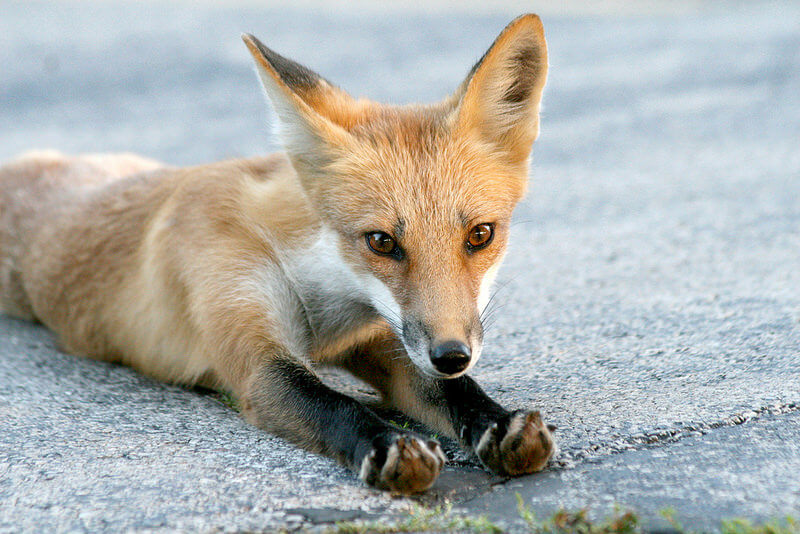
(650, 301)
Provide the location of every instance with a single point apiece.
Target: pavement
(651, 297)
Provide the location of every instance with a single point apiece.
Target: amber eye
(480, 236)
(382, 243)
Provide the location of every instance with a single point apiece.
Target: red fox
(370, 244)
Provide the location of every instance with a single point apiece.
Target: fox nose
(450, 357)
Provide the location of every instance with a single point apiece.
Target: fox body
(370, 244)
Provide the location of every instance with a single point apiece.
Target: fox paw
(403, 464)
(522, 446)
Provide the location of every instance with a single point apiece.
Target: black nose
(450, 357)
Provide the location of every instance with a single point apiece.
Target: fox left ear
(299, 95)
(499, 101)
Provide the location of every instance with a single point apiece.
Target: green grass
(422, 519)
(404, 425)
(563, 521)
(443, 519)
(227, 399)
(787, 525)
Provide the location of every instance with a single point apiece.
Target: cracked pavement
(650, 301)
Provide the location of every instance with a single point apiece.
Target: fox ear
(294, 90)
(499, 100)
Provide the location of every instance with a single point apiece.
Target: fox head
(419, 198)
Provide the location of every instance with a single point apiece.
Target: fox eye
(383, 244)
(480, 236)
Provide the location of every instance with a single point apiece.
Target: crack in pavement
(618, 443)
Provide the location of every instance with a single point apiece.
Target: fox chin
(371, 244)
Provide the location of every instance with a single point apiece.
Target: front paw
(402, 463)
(519, 446)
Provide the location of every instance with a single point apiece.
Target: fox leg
(285, 398)
(509, 443)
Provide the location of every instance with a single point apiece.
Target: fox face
(433, 234)
(418, 199)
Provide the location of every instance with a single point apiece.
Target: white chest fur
(336, 299)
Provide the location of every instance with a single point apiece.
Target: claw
(369, 469)
(437, 451)
(533, 417)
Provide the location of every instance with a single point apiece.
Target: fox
(371, 243)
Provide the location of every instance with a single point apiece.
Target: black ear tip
(552, 428)
(253, 44)
(252, 41)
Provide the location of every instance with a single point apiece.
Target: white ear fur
(306, 135)
(294, 131)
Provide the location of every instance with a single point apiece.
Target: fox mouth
(439, 374)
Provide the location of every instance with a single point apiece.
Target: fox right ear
(499, 101)
(293, 89)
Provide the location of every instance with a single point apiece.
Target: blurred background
(173, 80)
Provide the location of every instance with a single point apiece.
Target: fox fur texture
(370, 244)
